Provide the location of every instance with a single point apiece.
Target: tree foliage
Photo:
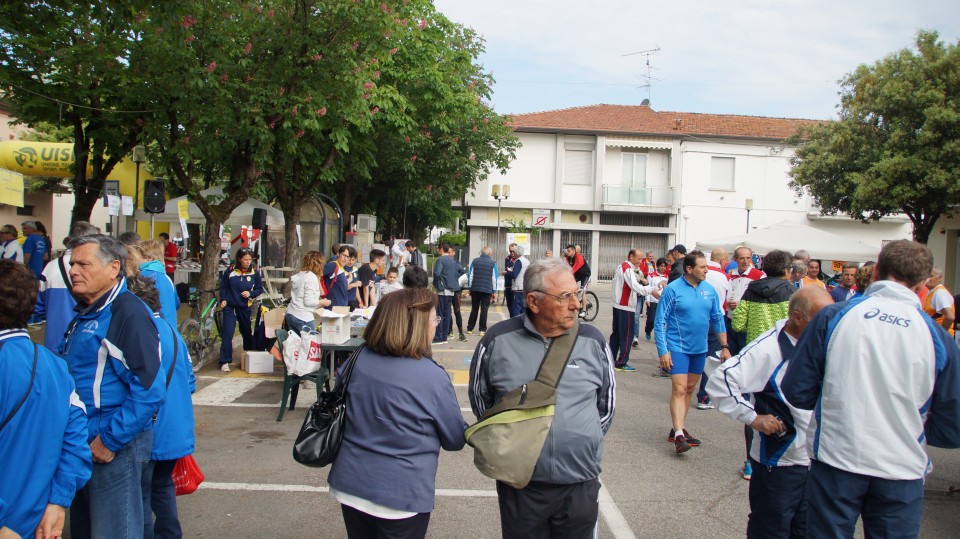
(896, 146)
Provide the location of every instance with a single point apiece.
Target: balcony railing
(622, 195)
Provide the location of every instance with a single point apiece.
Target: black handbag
(319, 439)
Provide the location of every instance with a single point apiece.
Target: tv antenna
(647, 77)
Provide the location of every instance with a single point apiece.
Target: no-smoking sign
(541, 218)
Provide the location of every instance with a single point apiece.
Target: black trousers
(457, 315)
(778, 505)
(479, 302)
(547, 511)
(360, 525)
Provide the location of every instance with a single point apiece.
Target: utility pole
(648, 78)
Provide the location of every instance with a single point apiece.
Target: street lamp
(748, 205)
(500, 192)
(139, 156)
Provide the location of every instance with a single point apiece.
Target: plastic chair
(291, 383)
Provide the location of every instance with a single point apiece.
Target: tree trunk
(210, 263)
(83, 204)
(291, 218)
(921, 231)
(346, 206)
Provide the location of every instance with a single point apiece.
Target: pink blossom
(393, 51)
(317, 57)
(456, 140)
(295, 110)
(308, 99)
(374, 60)
(189, 40)
(300, 133)
(185, 140)
(355, 45)
(406, 139)
(366, 96)
(188, 21)
(272, 124)
(472, 157)
(384, 7)
(375, 110)
(376, 74)
(427, 134)
(322, 111)
(248, 48)
(367, 85)
(413, 157)
(140, 122)
(211, 66)
(224, 77)
(423, 24)
(486, 120)
(270, 14)
(430, 187)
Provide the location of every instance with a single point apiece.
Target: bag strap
(63, 273)
(344, 378)
(33, 374)
(555, 360)
(176, 351)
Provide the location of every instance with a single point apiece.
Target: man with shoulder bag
(552, 492)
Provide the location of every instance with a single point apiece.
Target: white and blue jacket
(43, 448)
(758, 370)
(113, 350)
(169, 301)
(883, 380)
(54, 303)
(684, 317)
(173, 435)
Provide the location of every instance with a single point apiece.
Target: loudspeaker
(259, 219)
(154, 196)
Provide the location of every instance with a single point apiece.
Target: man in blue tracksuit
(113, 350)
(687, 309)
(883, 380)
(43, 445)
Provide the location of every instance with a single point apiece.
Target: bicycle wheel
(591, 307)
(192, 334)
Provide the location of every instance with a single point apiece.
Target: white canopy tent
(241, 215)
(792, 237)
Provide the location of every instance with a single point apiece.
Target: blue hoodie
(173, 435)
(169, 302)
(54, 303)
(113, 350)
(44, 448)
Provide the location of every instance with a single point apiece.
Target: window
(721, 173)
(634, 169)
(578, 167)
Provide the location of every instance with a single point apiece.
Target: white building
(616, 177)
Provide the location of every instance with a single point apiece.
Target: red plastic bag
(186, 475)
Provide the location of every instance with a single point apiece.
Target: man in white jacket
(778, 452)
(627, 284)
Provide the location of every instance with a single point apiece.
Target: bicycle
(198, 331)
(590, 306)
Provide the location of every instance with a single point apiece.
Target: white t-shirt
(941, 299)
(12, 250)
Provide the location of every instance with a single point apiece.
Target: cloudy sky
(751, 57)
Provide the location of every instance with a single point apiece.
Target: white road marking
(224, 391)
(268, 487)
(611, 514)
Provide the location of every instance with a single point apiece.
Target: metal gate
(577, 237)
(614, 247)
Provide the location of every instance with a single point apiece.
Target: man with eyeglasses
(561, 499)
(627, 284)
(336, 278)
(11, 247)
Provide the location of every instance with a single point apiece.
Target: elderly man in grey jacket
(561, 499)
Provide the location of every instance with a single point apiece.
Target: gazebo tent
(791, 236)
(241, 215)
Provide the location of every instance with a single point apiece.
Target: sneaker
(648, 336)
(482, 332)
(705, 405)
(625, 368)
(747, 470)
(681, 445)
(463, 337)
(439, 342)
(660, 373)
(636, 343)
(694, 442)
(225, 367)
(469, 332)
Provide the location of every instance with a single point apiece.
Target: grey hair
(486, 251)
(109, 249)
(519, 250)
(29, 224)
(538, 271)
(799, 267)
(83, 228)
(802, 254)
(936, 272)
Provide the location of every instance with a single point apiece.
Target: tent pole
(151, 226)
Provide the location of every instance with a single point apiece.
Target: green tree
(896, 146)
(70, 64)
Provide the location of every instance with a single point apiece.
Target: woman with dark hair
(401, 410)
(43, 444)
(43, 234)
(239, 285)
(306, 294)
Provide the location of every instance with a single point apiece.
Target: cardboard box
(257, 363)
(334, 325)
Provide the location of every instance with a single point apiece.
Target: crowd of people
(816, 373)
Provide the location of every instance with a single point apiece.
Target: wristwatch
(725, 346)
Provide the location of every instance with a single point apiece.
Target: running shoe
(482, 332)
(625, 368)
(636, 343)
(705, 404)
(648, 336)
(469, 332)
(463, 337)
(694, 442)
(661, 373)
(681, 444)
(225, 367)
(439, 342)
(747, 470)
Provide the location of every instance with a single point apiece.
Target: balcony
(621, 195)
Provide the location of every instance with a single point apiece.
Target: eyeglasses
(566, 297)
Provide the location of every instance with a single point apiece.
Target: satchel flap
(510, 416)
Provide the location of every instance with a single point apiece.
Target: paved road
(253, 487)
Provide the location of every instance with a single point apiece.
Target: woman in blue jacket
(402, 409)
(239, 285)
(173, 435)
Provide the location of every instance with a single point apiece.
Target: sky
(747, 57)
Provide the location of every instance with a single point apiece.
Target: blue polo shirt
(684, 315)
(335, 281)
(36, 248)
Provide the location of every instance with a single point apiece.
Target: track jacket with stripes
(685, 315)
(883, 380)
(509, 356)
(113, 350)
(625, 287)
